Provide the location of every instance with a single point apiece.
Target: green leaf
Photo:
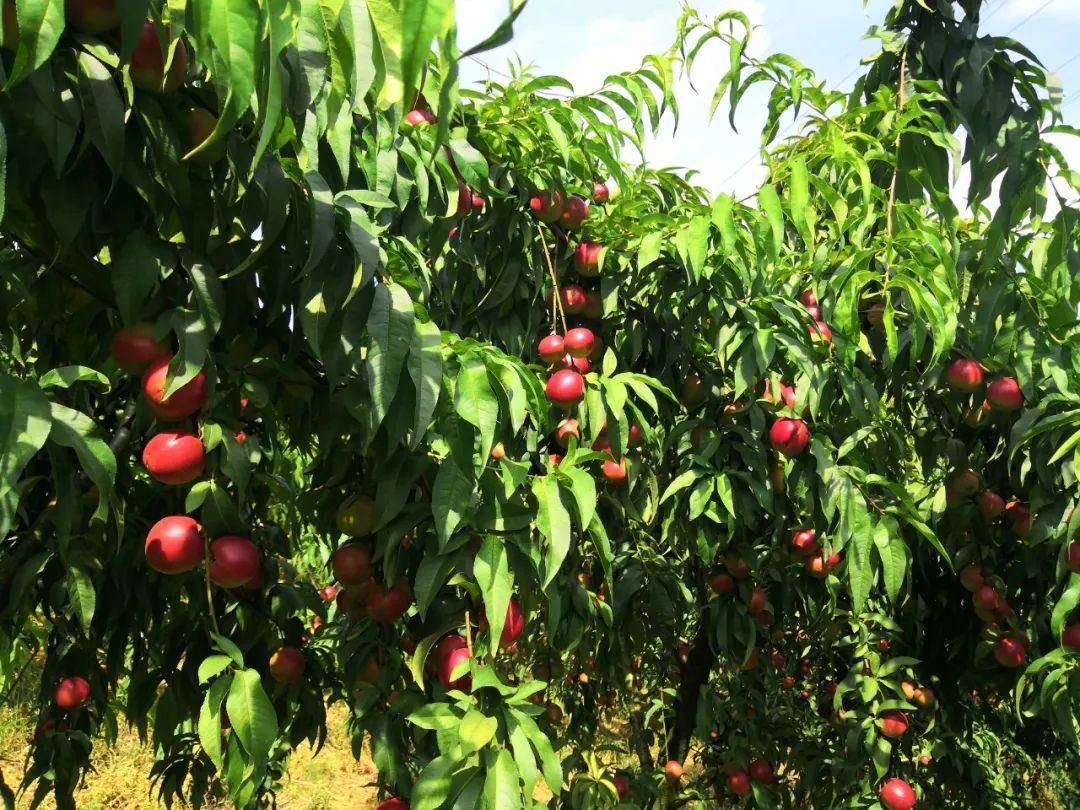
(1065, 605)
(391, 325)
(103, 111)
(210, 719)
(212, 666)
(501, 789)
(25, 422)
(435, 717)
(855, 527)
(252, 714)
(135, 271)
(321, 233)
(502, 34)
(649, 249)
(553, 521)
(234, 27)
(892, 553)
(421, 20)
(476, 402)
(191, 332)
(426, 370)
(882, 756)
(210, 295)
(65, 376)
(681, 482)
(41, 22)
(433, 785)
(78, 431)
(476, 731)
(770, 204)
(542, 745)
(416, 665)
(451, 498)
(496, 583)
(523, 754)
(81, 596)
(798, 188)
(228, 646)
(583, 490)
(431, 576)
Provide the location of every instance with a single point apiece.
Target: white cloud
(476, 19)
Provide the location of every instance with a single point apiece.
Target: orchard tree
(325, 381)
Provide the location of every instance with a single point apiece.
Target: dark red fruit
(616, 472)
(147, 63)
(174, 457)
(693, 391)
(183, 402)
(547, 206)
(512, 628)
(804, 543)
(1004, 394)
(287, 664)
(739, 782)
(565, 389)
(551, 348)
(72, 693)
(789, 436)
(575, 211)
(964, 375)
(894, 723)
(174, 545)
(1010, 652)
(1070, 637)
(418, 118)
(991, 505)
(896, 794)
(451, 652)
(1072, 557)
(387, 605)
(133, 348)
(587, 258)
(761, 771)
(972, 578)
(986, 597)
(573, 299)
(234, 561)
(352, 563)
(594, 306)
(579, 342)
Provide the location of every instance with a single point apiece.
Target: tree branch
(695, 675)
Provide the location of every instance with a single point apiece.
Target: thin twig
(209, 591)
(555, 300)
(468, 633)
(901, 102)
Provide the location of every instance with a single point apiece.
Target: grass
(333, 779)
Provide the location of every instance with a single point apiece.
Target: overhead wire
(1030, 17)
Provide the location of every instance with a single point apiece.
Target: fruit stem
(209, 590)
(556, 302)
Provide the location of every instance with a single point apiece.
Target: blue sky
(585, 41)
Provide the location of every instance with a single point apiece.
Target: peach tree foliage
(366, 331)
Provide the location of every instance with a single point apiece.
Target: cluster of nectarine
(174, 544)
